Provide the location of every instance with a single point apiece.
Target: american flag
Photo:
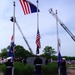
(28, 7)
(38, 41)
(11, 49)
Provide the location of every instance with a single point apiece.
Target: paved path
(71, 72)
(1, 74)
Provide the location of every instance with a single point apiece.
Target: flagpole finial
(14, 3)
(56, 11)
(37, 1)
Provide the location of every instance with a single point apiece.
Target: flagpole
(13, 32)
(37, 21)
(57, 29)
(14, 20)
(37, 16)
(57, 39)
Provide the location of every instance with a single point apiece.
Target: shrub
(2, 68)
(28, 70)
(22, 69)
(50, 68)
(18, 68)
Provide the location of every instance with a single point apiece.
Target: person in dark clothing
(9, 66)
(46, 61)
(63, 67)
(38, 63)
(24, 60)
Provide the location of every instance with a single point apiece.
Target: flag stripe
(25, 10)
(22, 4)
(25, 6)
(38, 40)
(28, 7)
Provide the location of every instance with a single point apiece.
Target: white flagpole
(37, 20)
(14, 20)
(57, 39)
(13, 32)
(37, 16)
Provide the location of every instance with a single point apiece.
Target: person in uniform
(9, 66)
(38, 63)
(63, 67)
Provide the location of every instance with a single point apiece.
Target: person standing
(9, 66)
(38, 63)
(63, 67)
(46, 61)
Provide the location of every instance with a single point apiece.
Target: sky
(47, 25)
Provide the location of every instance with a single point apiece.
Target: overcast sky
(47, 25)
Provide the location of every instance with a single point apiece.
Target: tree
(49, 51)
(4, 52)
(21, 52)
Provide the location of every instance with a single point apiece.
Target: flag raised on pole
(59, 59)
(28, 7)
(38, 42)
(59, 54)
(11, 49)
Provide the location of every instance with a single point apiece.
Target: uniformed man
(63, 66)
(9, 65)
(38, 63)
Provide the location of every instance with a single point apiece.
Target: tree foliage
(4, 52)
(19, 51)
(49, 50)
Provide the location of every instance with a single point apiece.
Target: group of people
(37, 62)
(20, 59)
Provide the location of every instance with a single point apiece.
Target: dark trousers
(8, 71)
(64, 72)
(38, 72)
